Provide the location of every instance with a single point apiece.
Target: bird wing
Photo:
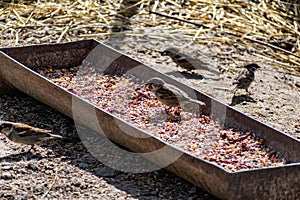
(243, 78)
(24, 130)
(240, 77)
(192, 63)
(179, 94)
(32, 132)
(166, 93)
(183, 61)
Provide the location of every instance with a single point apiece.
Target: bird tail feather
(56, 136)
(197, 102)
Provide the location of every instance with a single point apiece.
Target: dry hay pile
(253, 24)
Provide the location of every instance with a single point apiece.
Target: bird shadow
(186, 74)
(20, 157)
(240, 99)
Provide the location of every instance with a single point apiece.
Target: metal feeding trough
(17, 70)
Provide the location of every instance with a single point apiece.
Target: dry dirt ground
(66, 170)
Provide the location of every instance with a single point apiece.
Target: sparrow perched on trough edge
(245, 77)
(179, 58)
(25, 134)
(169, 94)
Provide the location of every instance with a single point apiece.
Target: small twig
(18, 16)
(179, 19)
(154, 9)
(56, 11)
(174, 3)
(50, 188)
(38, 25)
(102, 17)
(63, 34)
(29, 17)
(197, 33)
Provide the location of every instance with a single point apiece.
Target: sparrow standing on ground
(187, 62)
(169, 94)
(245, 77)
(25, 134)
(180, 59)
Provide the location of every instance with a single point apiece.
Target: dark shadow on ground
(241, 99)
(186, 74)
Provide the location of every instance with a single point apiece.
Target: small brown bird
(189, 63)
(180, 59)
(245, 77)
(169, 94)
(25, 134)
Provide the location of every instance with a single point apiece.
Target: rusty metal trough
(17, 71)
